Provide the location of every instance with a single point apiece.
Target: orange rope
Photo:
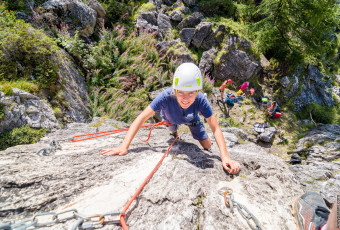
(105, 133)
(122, 219)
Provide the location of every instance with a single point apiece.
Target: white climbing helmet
(187, 77)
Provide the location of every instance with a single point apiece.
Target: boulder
(236, 64)
(147, 20)
(316, 88)
(190, 2)
(164, 25)
(176, 15)
(74, 90)
(186, 35)
(319, 170)
(75, 13)
(191, 21)
(202, 30)
(23, 108)
(267, 135)
(214, 39)
(206, 62)
(179, 51)
(94, 4)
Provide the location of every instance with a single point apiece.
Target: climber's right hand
(115, 151)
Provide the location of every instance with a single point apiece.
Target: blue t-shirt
(171, 111)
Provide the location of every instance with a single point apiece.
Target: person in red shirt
(224, 84)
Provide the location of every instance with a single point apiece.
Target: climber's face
(186, 98)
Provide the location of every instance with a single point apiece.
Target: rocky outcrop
(319, 171)
(23, 108)
(214, 39)
(237, 65)
(74, 90)
(202, 30)
(75, 13)
(183, 192)
(147, 20)
(70, 100)
(206, 63)
(313, 87)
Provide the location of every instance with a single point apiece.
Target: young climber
(221, 89)
(243, 88)
(311, 212)
(181, 105)
(273, 111)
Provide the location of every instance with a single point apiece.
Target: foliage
(320, 113)
(294, 30)
(20, 136)
(128, 62)
(144, 8)
(25, 53)
(2, 111)
(21, 5)
(20, 84)
(7, 89)
(120, 11)
(112, 103)
(208, 84)
(225, 8)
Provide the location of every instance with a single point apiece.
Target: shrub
(7, 89)
(320, 113)
(144, 8)
(23, 85)
(25, 53)
(122, 65)
(20, 136)
(208, 84)
(218, 7)
(2, 111)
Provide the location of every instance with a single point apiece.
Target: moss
(7, 89)
(219, 54)
(243, 175)
(2, 111)
(31, 54)
(20, 136)
(57, 112)
(144, 8)
(99, 123)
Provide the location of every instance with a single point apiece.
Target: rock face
(320, 170)
(237, 65)
(75, 90)
(24, 108)
(315, 87)
(182, 194)
(75, 13)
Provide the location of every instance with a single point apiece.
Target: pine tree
(293, 30)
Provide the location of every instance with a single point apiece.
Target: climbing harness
(227, 193)
(195, 123)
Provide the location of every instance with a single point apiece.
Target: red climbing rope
(105, 133)
(122, 219)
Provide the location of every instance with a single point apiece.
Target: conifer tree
(291, 30)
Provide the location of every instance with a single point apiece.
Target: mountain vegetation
(122, 65)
